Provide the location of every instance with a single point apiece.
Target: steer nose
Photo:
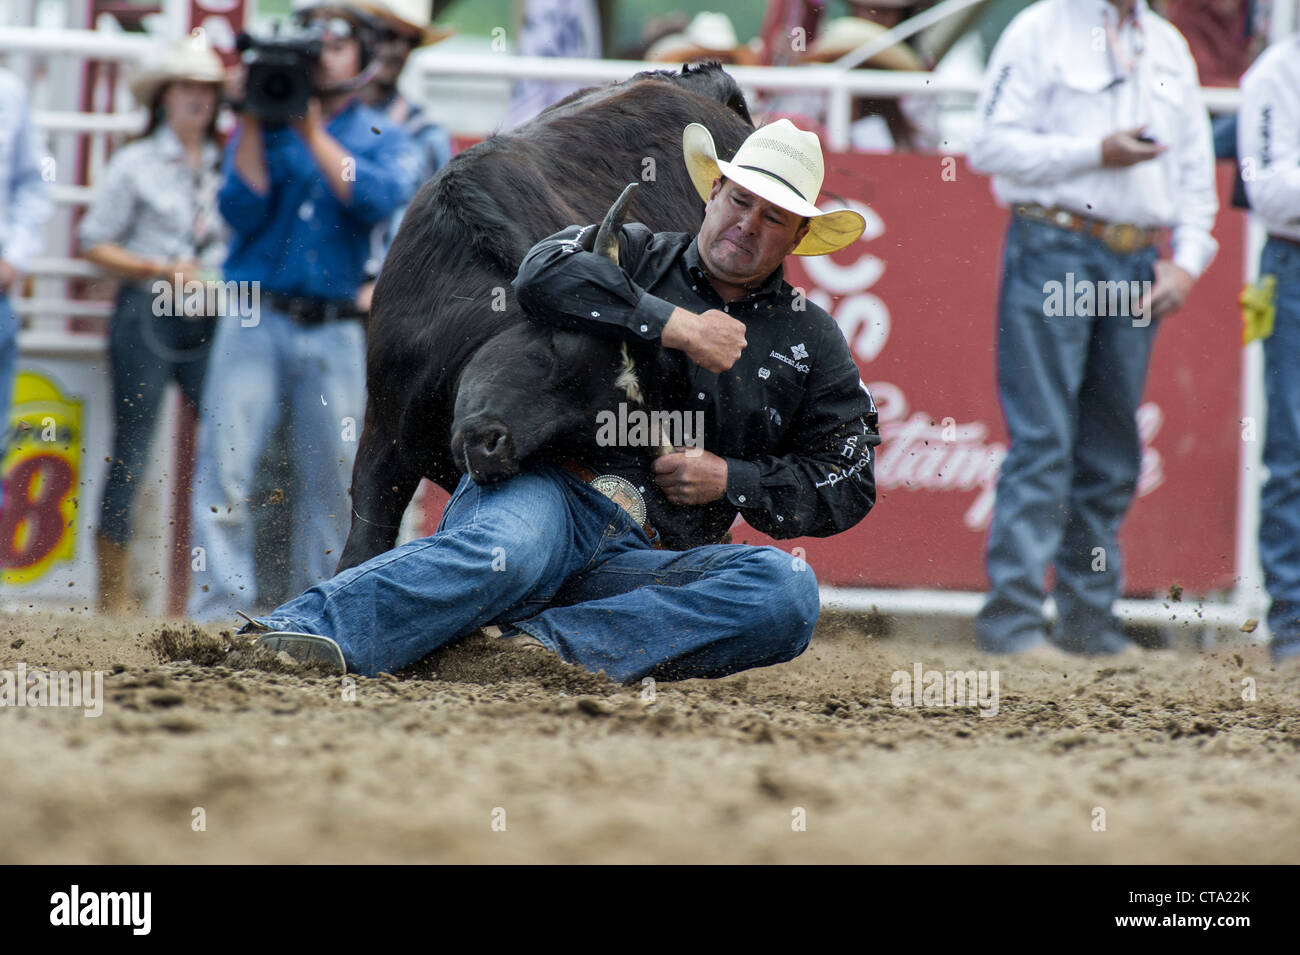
(489, 451)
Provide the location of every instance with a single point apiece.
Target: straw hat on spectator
(190, 58)
(709, 36)
(781, 163)
(845, 34)
(413, 15)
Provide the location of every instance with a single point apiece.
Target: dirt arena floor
(489, 754)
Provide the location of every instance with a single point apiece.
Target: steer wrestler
(788, 434)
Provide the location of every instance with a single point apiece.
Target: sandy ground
(489, 754)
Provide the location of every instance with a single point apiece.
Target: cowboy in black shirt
(555, 563)
(788, 427)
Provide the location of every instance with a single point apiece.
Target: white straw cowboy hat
(707, 36)
(780, 163)
(190, 58)
(414, 15)
(845, 34)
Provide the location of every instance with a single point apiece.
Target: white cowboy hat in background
(780, 163)
(190, 58)
(415, 15)
(708, 35)
(845, 34)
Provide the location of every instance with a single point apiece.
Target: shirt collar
(771, 285)
(1140, 12)
(170, 148)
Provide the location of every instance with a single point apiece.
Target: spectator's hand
(694, 476)
(188, 270)
(312, 123)
(1123, 148)
(8, 275)
(234, 84)
(712, 339)
(1169, 290)
(364, 295)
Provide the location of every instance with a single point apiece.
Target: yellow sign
(41, 468)
(1258, 309)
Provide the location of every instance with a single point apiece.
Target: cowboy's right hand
(712, 339)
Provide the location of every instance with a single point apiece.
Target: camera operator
(301, 198)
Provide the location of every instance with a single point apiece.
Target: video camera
(280, 68)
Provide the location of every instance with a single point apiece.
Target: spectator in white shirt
(1092, 125)
(154, 223)
(1268, 137)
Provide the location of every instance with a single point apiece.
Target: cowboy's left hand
(693, 476)
(8, 275)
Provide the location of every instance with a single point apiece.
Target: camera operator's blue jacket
(299, 238)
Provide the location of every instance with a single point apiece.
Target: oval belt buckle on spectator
(623, 493)
(1123, 238)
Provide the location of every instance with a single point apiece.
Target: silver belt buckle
(623, 493)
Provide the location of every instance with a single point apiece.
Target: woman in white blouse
(154, 223)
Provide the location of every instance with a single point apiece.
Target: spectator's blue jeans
(145, 351)
(1070, 387)
(256, 375)
(1279, 524)
(8, 370)
(548, 553)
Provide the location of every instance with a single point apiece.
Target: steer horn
(605, 241)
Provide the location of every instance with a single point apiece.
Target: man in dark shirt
(787, 440)
(781, 426)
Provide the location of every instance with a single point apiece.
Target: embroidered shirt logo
(798, 351)
(797, 366)
(763, 373)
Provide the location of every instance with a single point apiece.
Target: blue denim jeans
(1279, 523)
(8, 369)
(257, 375)
(548, 553)
(145, 351)
(1070, 386)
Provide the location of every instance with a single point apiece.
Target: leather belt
(1121, 237)
(1284, 238)
(619, 490)
(315, 311)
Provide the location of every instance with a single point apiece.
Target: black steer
(444, 322)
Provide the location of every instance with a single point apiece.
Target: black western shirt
(791, 417)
